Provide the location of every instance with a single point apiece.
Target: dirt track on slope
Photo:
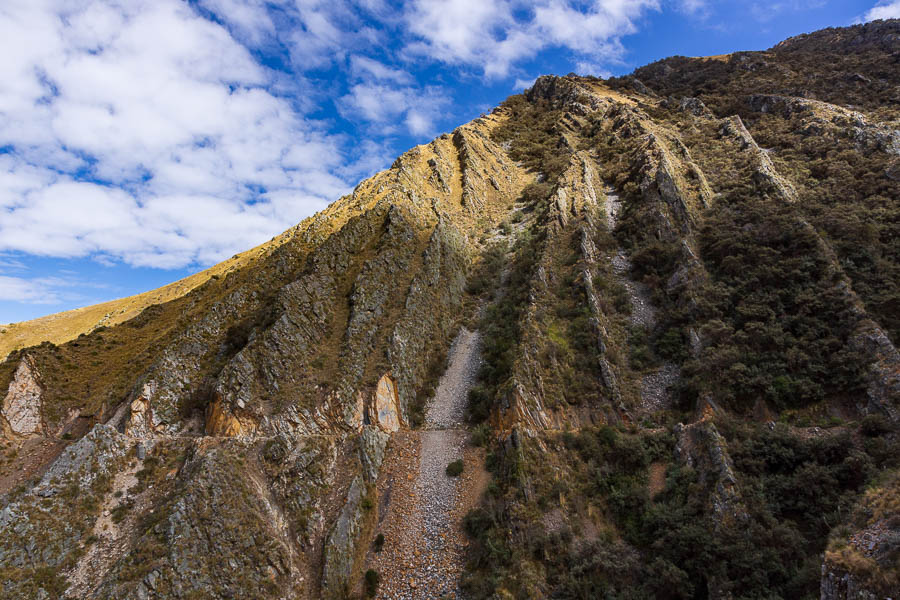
(422, 507)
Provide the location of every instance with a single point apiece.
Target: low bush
(455, 468)
(481, 434)
(372, 581)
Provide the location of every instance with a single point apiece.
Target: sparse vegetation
(455, 468)
(481, 435)
(372, 580)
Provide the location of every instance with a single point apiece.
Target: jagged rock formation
(44, 527)
(656, 268)
(701, 447)
(863, 565)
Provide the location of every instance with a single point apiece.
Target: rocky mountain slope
(674, 297)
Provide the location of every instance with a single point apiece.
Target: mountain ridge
(683, 285)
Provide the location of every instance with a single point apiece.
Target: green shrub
(481, 434)
(455, 468)
(534, 137)
(875, 425)
(672, 345)
(372, 581)
(379, 542)
(655, 260)
(777, 326)
(536, 192)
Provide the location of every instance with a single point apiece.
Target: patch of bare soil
(657, 479)
(27, 460)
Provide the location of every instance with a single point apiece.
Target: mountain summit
(627, 338)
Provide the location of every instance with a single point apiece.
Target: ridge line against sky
(142, 140)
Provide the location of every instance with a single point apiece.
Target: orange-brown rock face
(386, 405)
(220, 422)
(140, 419)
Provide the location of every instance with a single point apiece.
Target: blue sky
(143, 140)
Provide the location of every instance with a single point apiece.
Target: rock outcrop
(863, 565)
(883, 389)
(386, 405)
(765, 176)
(45, 526)
(342, 552)
(701, 447)
(23, 401)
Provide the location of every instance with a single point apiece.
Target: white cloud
(144, 132)
(249, 19)
(495, 34)
(8, 263)
(364, 67)
(765, 12)
(384, 105)
(588, 67)
(522, 84)
(693, 7)
(41, 290)
(324, 31)
(370, 157)
(884, 10)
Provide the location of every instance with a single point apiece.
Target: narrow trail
(424, 548)
(655, 384)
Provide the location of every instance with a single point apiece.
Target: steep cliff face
(658, 271)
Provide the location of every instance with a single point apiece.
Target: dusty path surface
(422, 507)
(656, 385)
(448, 409)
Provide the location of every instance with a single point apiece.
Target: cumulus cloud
(385, 105)
(692, 6)
(884, 10)
(522, 84)
(364, 67)
(495, 34)
(38, 290)
(145, 132)
(384, 96)
(248, 19)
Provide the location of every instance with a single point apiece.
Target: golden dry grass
(62, 327)
(718, 57)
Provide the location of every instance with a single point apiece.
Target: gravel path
(424, 550)
(448, 409)
(642, 311)
(655, 386)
